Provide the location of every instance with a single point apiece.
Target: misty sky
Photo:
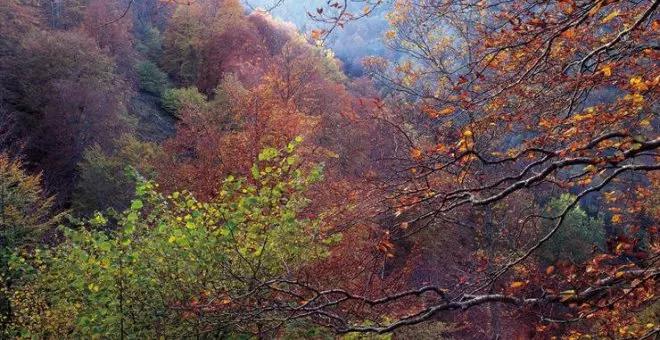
(359, 39)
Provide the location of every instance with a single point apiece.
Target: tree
(503, 133)
(151, 42)
(65, 14)
(182, 44)
(115, 35)
(232, 45)
(177, 266)
(579, 237)
(26, 213)
(175, 100)
(105, 178)
(55, 112)
(152, 79)
(521, 100)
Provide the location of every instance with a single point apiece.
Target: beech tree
(182, 44)
(106, 179)
(175, 266)
(523, 96)
(497, 181)
(56, 112)
(26, 213)
(115, 35)
(25, 210)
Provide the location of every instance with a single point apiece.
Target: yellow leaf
(590, 168)
(611, 16)
(171, 239)
(596, 8)
(545, 123)
(616, 218)
(638, 84)
(448, 111)
(582, 117)
(330, 153)
(467, 133)
(635, 98)
(517, 284)
(607, 71)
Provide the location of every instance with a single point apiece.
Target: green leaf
(255, 171)
(136, 205)
(104, 246)
(268, 154)
(98, 220)
(132, 217)
(130, 228)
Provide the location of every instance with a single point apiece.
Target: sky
(357, 40)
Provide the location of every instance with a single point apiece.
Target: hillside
(359, 169)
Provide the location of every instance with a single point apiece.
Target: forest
(336, 169)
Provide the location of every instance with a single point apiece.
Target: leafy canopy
(173, 265)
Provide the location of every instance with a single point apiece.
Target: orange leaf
(550, 270)
(569, 33)
(517, 284)
(448, 110)
(596, 8)
(316, 34)
(416, 153)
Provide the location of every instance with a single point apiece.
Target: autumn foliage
(494, 175)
